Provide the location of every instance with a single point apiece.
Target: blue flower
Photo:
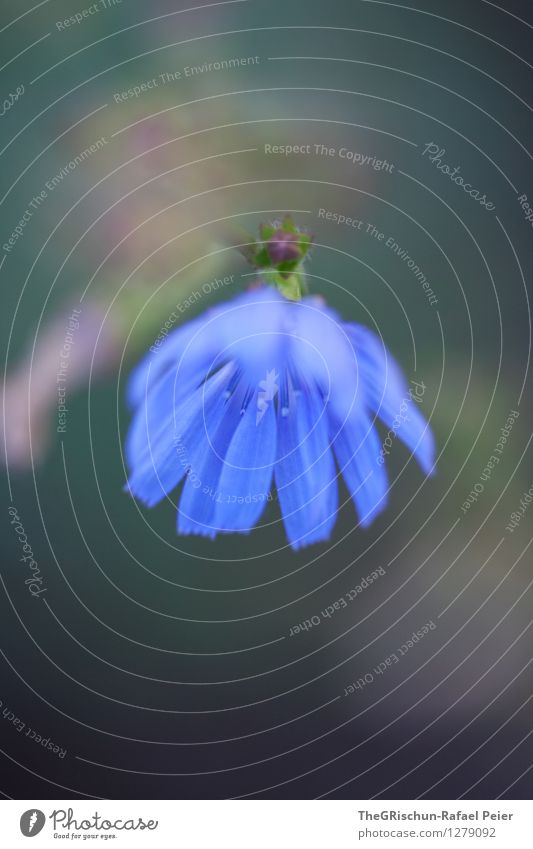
(263, 391)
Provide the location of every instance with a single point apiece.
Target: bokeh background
(163, 667)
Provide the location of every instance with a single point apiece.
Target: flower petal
(357, 449)
(252, 332)
(249, 329)
(390, 397)
(155, 414)
(323, 355)
(183, 351)
(246, 477)
(201, 491)
(306, 478)
(165, 435)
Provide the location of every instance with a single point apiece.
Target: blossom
(262, 394)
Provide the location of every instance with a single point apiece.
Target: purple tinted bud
(283, 247)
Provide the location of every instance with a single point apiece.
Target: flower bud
(283, 247)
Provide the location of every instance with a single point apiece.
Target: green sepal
(288, 276)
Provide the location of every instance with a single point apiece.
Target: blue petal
(201, 491)
(179, 352)
(155, 414)
(357, 448)
(306, 479)
(322, 354)
(252, 332)
(171, 434)
(248, 329)
(246, 476)
(390, 397)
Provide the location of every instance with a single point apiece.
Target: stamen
(284, 395)
(247, 398)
